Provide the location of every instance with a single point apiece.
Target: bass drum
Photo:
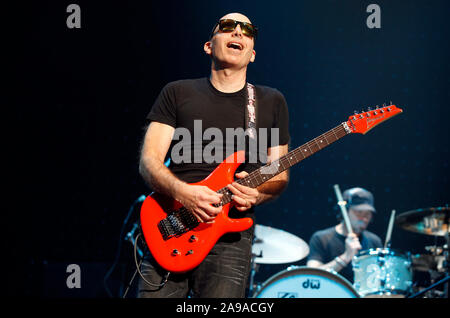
(306, 282)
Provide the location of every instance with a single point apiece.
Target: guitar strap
(250, 111)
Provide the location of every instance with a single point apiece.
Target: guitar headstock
(363, 122)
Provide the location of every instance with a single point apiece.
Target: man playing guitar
(218, 101)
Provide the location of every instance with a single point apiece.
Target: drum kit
(381, 272)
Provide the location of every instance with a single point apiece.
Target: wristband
(340, 261)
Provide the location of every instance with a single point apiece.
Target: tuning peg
(369, 109)
(355, 112)
(390, 103)
(384, 104)
(362, 110)
(376, 107)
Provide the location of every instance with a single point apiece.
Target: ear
(252, 58)
(207, 47)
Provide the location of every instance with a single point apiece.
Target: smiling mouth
(235, 46)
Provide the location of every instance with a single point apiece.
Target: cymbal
(274, 246)
(429, 221)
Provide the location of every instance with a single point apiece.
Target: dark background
(80, 97)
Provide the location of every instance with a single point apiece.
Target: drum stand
(447, 273)
(437, 284)
(254, 268)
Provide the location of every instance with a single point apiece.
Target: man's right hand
(199, 200)
(352, 246)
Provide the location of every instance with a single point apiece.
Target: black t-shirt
(194, 106)
(326, 244)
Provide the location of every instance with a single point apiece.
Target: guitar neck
(267, 172)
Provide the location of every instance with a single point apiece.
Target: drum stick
(341, 204)
(389, 231)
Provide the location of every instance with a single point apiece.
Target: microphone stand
(119, 247)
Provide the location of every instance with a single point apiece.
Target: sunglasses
(228, 25)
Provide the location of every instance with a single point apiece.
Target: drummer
(333, 248)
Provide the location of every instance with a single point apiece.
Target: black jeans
(222, 274)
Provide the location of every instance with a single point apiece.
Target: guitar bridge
(177, 223)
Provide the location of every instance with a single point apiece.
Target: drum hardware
(434, 249)
(433, 286)
(434, 222)
(254, 269)
(381, 262)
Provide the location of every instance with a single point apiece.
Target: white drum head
(306, 282)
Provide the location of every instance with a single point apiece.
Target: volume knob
(175, 252)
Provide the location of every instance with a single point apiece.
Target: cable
(129, 284)
(138, 267)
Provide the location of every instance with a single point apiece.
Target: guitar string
(300, 149)
(255, 174)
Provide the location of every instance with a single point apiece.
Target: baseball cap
(359, 199)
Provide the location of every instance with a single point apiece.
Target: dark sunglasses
(228, 25)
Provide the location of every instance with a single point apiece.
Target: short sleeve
(316, 249)
(164, 108)
(281, 119)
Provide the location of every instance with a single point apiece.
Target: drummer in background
(333, 248)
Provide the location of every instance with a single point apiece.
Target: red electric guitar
(179, 242)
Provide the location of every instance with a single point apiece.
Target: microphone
(141, 199)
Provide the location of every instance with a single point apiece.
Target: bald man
(216, 102)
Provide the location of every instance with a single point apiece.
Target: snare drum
(306, 282)
(382, 272)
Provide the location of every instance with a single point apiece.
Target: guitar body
(193, 246)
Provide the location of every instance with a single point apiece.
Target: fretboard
(267, 172)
